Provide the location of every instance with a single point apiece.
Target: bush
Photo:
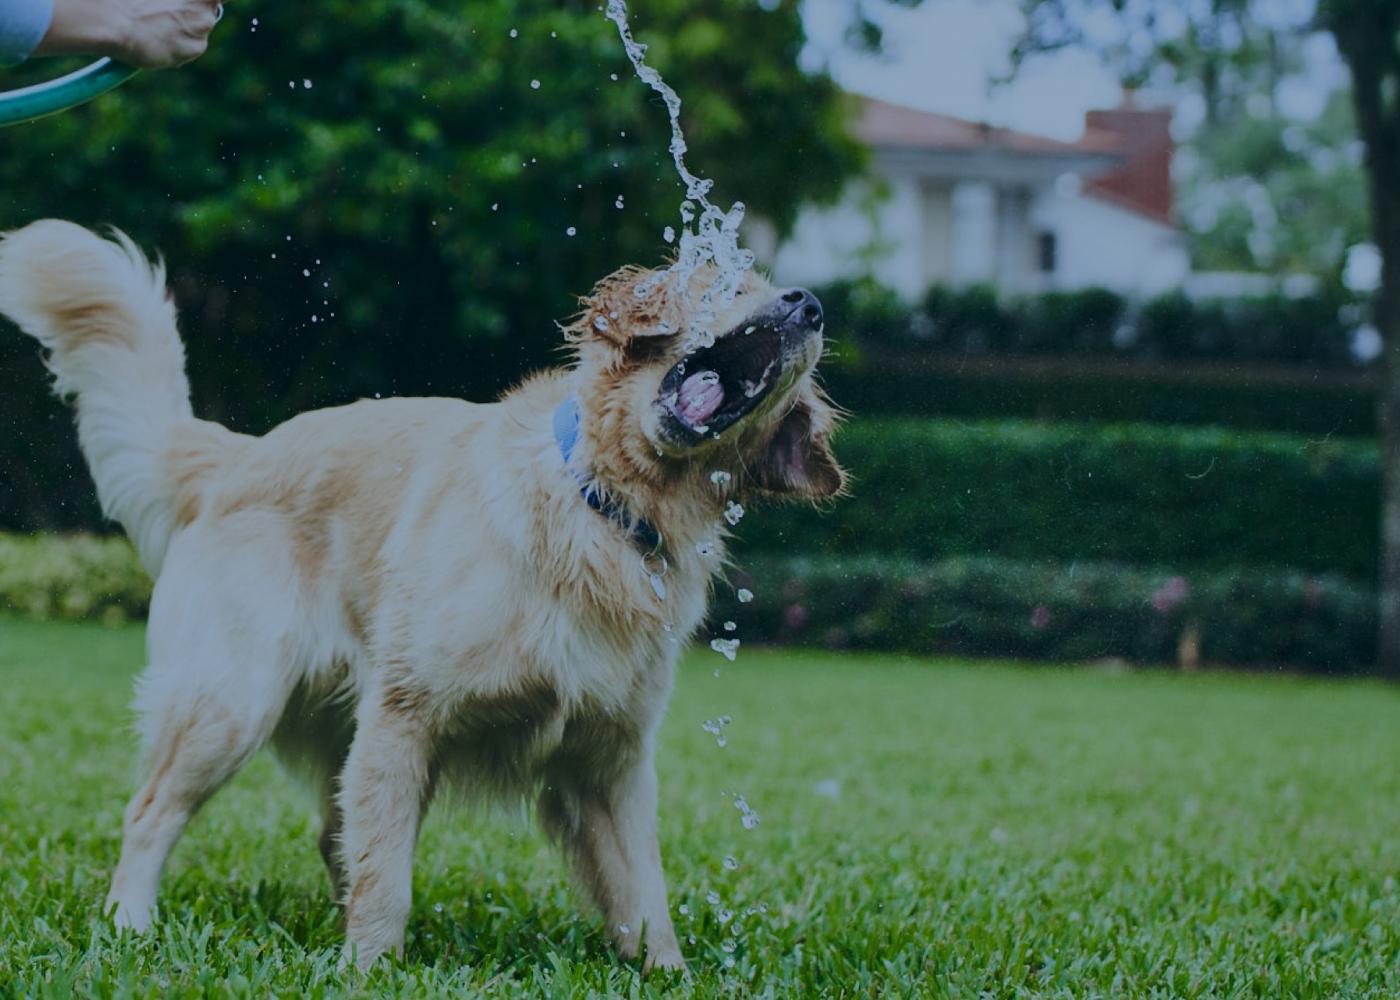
(1085, 611)
(961, 321)
(1313, 330)
(974, 606)
(1197, 498)
(912, 387)
(72, 577)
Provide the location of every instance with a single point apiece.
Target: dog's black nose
(806, 308)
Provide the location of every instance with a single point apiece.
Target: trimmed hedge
(1314, 330)
(1266, 363)
(904, 386)
(1088, 611)
(72, 577)
(969, 606)
(1188, 498)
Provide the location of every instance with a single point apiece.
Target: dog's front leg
(609, 830)
(384, 790)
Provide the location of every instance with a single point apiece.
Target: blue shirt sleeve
(23, 25)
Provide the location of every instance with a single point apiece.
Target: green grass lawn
(928, 829)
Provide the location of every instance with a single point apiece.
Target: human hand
(149, 34)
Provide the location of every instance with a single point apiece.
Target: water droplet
(684, 910)
(495, 205)
(745, 595)
(668, 234)
(706, 549)
(729, 944)
(571, 231)
(733, 512)
(438, 907)
(305, 272)
(624, 928)
(728, 648)
(730, 626)
(731, 863)
(600, 323)
(658, 587)
(729, 962)
(612, 77)
(306, 84)
(712, 898)
(721, 478)
(514, 33)
(534, 85)
(617, 204)
(724, 915)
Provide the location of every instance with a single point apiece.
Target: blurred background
(1105, 285)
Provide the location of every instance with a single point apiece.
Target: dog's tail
(100, 309)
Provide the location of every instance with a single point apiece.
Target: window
(1047, 252)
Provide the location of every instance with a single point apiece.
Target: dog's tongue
(699, 397)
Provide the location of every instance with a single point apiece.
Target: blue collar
(566, 431)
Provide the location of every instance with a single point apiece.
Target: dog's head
(742, 386)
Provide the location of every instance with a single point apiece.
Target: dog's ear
(630, 303)
(797, 460)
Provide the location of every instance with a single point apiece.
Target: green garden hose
(53, 96)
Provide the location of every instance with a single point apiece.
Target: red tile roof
(892, 126)
(1141, 138)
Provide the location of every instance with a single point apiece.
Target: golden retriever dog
(401, 595)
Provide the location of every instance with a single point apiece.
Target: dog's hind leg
(329, 839)
(210, 698)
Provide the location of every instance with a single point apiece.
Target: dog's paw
(128, 916)
(663, 961)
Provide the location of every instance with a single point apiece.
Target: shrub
(1084, 611)
(1313, 330)
(911, 387)
(962, 320)
(72, 577)
(1191, 498)
(1082, 323)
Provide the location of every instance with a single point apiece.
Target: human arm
(149, 34)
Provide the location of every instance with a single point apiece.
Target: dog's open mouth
(711, 389)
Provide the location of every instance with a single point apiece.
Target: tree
(1368, 36)
(366, 196)
(1367, 33)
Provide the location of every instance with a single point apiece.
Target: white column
(974, 233)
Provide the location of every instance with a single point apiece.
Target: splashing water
(715, 727)
(712, 237)
(728, 648)
(747, 815)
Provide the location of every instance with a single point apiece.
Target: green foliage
(72, 577)
(1189, 499)
(1268, 193)
(1313, 330)
(929, 829)
(1082, 611)
(373, 197)
(910, 386)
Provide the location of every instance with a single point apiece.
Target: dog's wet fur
(407, 595)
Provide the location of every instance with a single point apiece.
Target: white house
(956, 202)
